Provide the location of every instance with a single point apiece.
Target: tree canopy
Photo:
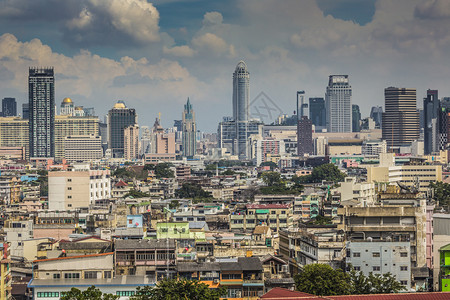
(136, 194)
(162, 170)
(328, 172)
(323, 280)
(275, 185)
(193, 191)
(441, 192)
(92, 293)
(179, 290)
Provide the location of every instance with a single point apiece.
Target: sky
(153, 55)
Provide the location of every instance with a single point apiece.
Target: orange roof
(278, 293)
(77, 256)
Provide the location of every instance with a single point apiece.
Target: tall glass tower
(41, 103)
(119, 117)
(189, 130)
(241, 83)
(338, 100)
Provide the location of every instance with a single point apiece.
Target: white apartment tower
(338, 100)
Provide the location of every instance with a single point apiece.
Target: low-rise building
(298, 247)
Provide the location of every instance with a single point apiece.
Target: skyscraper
(317, 112)
(431, 106)
(9, 107)
(25, 111)
(304, 136)
(338, 99)
(41, 102)
(189, 131)
(376, 114)
(241, 84)
(356, 117)
(400, 125)
(119, 117)
(131, 142)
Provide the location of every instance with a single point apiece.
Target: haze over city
(154, 55)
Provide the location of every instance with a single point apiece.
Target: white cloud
(433, 9)
(180, 51)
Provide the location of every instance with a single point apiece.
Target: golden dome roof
(119, 105)
(67, 100)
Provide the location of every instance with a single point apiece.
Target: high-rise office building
(356, 118)
(400, 125)
(131, 142)
(14, 133)
(67, 107)
(304, 136)
(146, 139)
(241, 84)
(189, 131)
(162, 142)
(41, 100)
(25, 111)
(431, 106)
(9, 107)
(318, 113)
(119, 117)
(338, 100)
(376, 114)
(72, 126)
(444, 122)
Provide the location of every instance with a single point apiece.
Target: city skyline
(157, 59)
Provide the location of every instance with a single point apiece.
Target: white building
(374, 147)
(338, 101)
(16, 233)
(68, 190)
(264, 149)
(362, 194)
(82, 148)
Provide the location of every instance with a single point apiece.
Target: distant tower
(66, 108)
(9, 107)
(356, 117)
(338, 100)
(189, 130)
(376, 113)
(25, 111)
(41, 102)
(318, 113)
(400, 125)
(131, 142)
(241, 84)
(304, 136)
(119, 117)
(431, 106)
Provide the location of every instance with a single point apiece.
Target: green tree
(193, 191)
(441, 192)
(179, 290)
(174, 204)
(163, 170)
(374, 283)
(328, 172)
(228, 172)
(211, 167)
(323, 280)
(136, 194)
(271, 178)
(92, 293)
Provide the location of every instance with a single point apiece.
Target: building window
(403, 268)
(125, 293)
(69, 179)
(356, 254)
(403, 254)
(90, 274)
(404, 282)
(69, 197)
(233, 293)
(231, 276)
(72, 275)
(47, 294)
(56, 276)
(107, 274)
(69, 188)
(376, 254)
(357, 268)
(376, 268)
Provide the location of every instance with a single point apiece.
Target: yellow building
(14, 132)
(72, 125)
(5, 272)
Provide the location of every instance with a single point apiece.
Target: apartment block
(74, 189)
(80, 148)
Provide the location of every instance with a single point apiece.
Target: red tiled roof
(121, 183)
(73, 257)
(280, 293)
(399, 296)
(267, 206)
